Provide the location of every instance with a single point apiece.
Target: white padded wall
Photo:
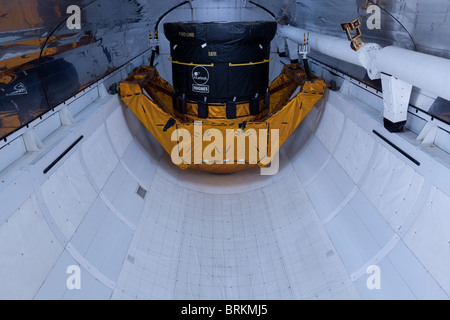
(12, 152)
(28, 250)
(429, 238)
(119, 130)
(330, 127)
(54, 288)
(99, 156)
(354, 151)
(69, 195)
(103, 240)
(101, 222)
(392, 186)
(364, 194)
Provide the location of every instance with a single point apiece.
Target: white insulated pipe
(331, 46)
(421, 70)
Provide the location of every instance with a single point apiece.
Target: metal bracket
(396, 97)
(65, 116)
(305, 48)
(154, 43)
(356, 41)
(32, 141)
(428, 135)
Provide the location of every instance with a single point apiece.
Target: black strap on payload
(174, 101)
(267, 100)
(307, 69)
(179, 103)
(254, 107)
(231, 110)
(182, 105)
(203, 110)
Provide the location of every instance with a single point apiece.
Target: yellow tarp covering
(201, 136)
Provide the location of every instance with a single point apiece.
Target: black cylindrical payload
(220, 62)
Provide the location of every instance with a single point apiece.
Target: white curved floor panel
(263, 243)
(342, 201)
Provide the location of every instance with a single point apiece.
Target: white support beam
(65, 116)
(32, 141)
